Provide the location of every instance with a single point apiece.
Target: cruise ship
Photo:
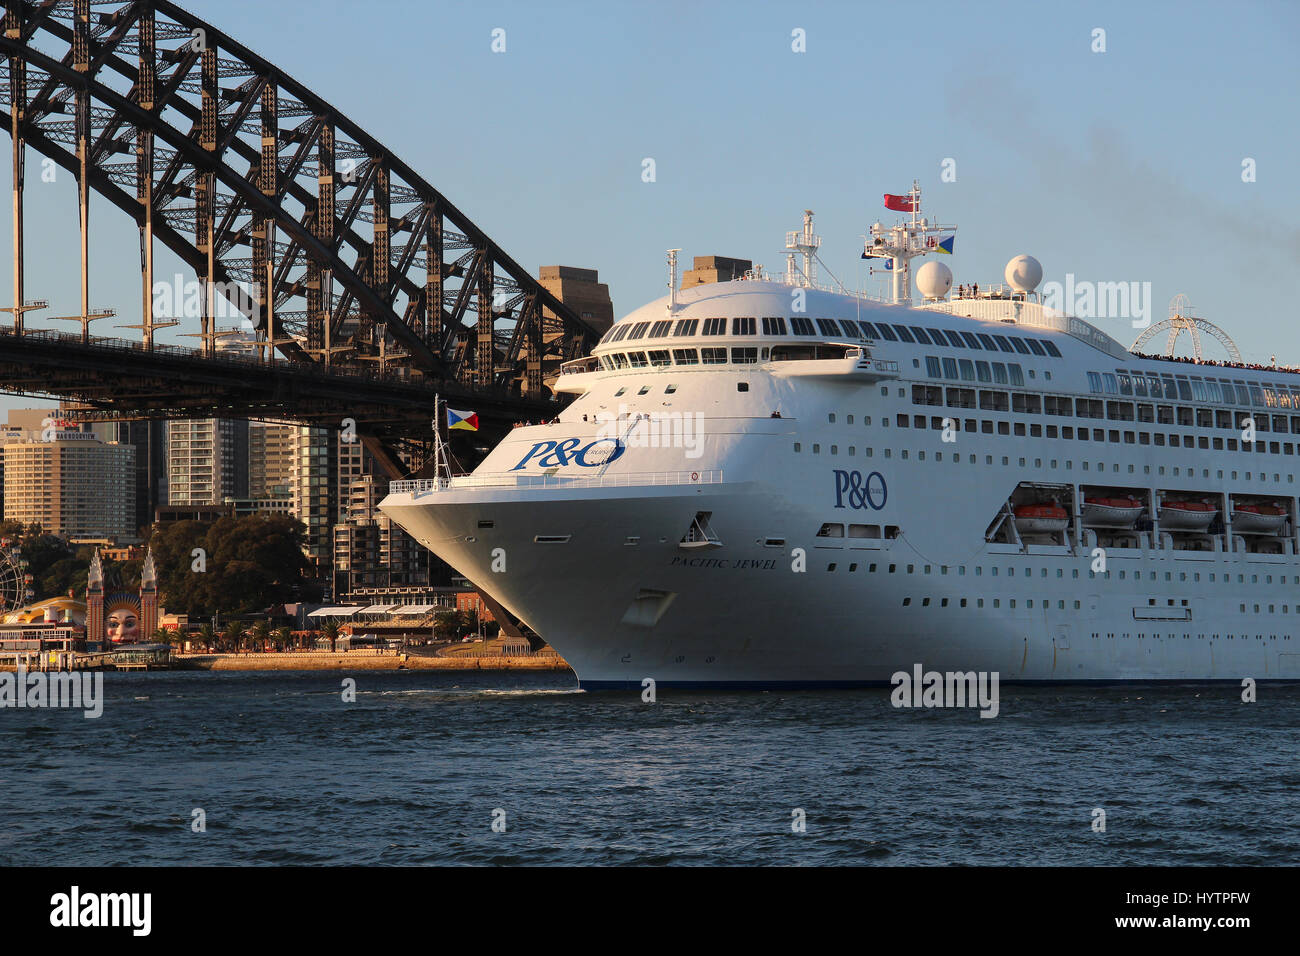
(764, 483)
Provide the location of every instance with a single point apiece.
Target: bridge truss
(291, 215)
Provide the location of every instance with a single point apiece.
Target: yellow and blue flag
(468, 421)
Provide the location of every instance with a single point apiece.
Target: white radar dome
(1023, 273)
(933, 280)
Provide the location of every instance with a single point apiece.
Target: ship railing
(589, 363)
(422, 486)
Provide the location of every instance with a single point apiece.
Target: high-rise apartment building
(71, 484)
(207, 461)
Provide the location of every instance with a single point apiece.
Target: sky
(1117, 165)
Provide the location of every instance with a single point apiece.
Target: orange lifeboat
(1258, 518)
(1186, 515)
(1048, 517)
(1111, 512)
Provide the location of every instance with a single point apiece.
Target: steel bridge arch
(119, 106)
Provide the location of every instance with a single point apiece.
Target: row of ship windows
(1195, 576)
(1094, 408)
(1113, 435)
(1193, 389)
(834, 328)
(658, 358)
(869, 452)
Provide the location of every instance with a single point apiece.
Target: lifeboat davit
(1186, 515)
(1041, 518)
(1111, 512)
(1258, 519)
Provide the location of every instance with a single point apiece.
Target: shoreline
(345, 660)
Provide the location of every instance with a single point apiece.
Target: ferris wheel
(15, 582)
(1182, 320)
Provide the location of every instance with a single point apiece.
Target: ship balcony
(575, 376)
(847, 363)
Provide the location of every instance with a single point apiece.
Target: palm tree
(331, 631)
(281, 637)
(258, 634)
(206, 635)
(232, 636)
(162, 635)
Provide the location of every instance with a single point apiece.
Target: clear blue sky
(1123, 165)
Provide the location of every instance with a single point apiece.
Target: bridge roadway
(121, 380)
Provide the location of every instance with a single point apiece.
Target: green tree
(232, 636)
(330, 630)
(449, 625)
(206, 636)
(281, 637)
(258, 635)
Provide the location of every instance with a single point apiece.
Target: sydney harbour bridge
(366, 290)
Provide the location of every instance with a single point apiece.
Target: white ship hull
(594, 550)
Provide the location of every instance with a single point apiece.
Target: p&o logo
(557, 454)
(854, 491)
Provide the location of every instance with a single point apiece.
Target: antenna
(904, 241)
(672, 280)
(804, 243)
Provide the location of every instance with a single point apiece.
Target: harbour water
(412, 772)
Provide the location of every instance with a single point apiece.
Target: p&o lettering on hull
(558, 454)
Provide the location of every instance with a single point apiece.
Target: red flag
(900, 203)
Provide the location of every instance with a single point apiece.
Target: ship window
(638, 331)
(620, 332)
(668, 390)
(999, 373)
(1140, 386)
(851, 329)
(971, 340)
(1094, 381)
(660, 357)
(932, 367)
(744, 387)
(919, 334)
(551, 538)
(661, 329)
(937, 337)
(1052, 350)
(743, 325)
(620, 391)
(1017, 376)
(744, 356)
(637, 359)
(905, 335)
(715, 326)
(949, 368)
(774, 543)
(1243, 394)
(1109, 385)
(801, 326)
(686, 357)
(1256, 395)
(987, 341)
(982, 372)
(868, 330)
(1125, 383)
(686, 326)
(1004, 343)
(773, 325)
(713, 356)
(864, 531)
(644, 389)
(967, 370)
(1020, 346)
(1184, 388)
(831, 530)
(956, 341)
(828, 327)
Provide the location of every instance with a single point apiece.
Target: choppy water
(413, 770)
